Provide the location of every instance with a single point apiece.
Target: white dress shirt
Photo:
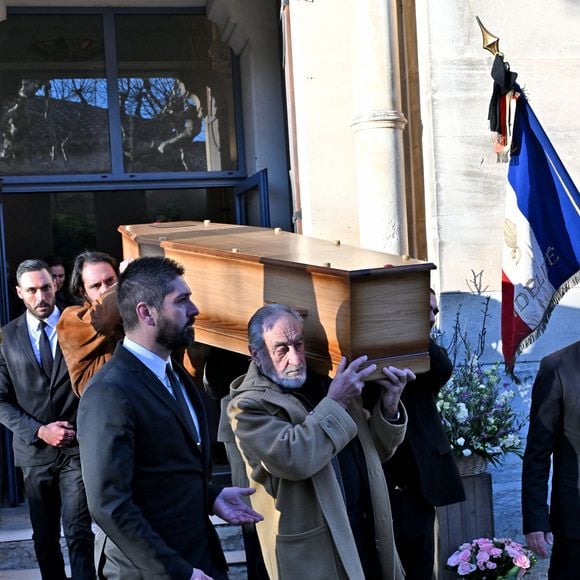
(157, 366)
(34, 331)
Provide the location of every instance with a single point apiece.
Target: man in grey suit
(37, 404)
(145, 443)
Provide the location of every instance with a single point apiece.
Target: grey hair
(264, 319)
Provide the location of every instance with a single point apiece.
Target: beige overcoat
(288, 452)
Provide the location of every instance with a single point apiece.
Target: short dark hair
(54, 260)
(145, 280)
(34, 265)
(77, 287)
(263, 319)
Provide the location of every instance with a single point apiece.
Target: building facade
(366, 120)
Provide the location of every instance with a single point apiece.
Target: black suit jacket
(424, 460)
(146, 478)
(29, 399)
(554, 432)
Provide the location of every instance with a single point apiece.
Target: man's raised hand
(393, 385)
(348, 382)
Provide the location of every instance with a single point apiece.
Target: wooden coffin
(354, 301)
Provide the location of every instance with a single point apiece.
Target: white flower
(492, 449)
(466, 452)
(460, 441)
(511, 440)
(462, 413)
(504, 397)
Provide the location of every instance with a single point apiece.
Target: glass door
(252, 202)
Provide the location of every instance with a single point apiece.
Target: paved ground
(18, 561)
(507, 488)
(506, 496)
(507, 508)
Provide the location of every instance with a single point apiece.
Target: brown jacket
(87, 335)
(288, 453)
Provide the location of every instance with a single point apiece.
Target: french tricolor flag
(541, 251)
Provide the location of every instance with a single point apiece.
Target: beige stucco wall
(468, 183)
(464, 194)
(465, 185)
(321, 50)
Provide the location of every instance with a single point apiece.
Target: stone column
(378, 125)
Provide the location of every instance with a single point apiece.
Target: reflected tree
(161, 120)
(53, 125)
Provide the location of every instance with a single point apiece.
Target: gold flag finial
(490, 41)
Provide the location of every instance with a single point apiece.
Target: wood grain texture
(355, 301)
(465, 521)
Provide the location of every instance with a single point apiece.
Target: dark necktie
(181, 402)
(46, 359)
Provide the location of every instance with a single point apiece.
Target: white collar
(152, 361)
(32, 321)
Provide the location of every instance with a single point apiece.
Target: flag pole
(490, 41)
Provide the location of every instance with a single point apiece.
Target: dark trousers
(54, 490)
(254, 560)
(565, 560)
(414, 527)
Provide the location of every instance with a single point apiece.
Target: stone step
(18, 561)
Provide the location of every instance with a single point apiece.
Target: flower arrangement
(477, 415)
(484, 559)
(475, 405)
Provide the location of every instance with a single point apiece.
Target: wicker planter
(472, 465)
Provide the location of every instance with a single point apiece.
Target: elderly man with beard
(145, 443)
(314, 455)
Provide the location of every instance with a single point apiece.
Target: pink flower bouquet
(484, 559)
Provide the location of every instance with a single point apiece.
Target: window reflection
(163, 126)
(53, 98)
(175, 95)
(174, 85)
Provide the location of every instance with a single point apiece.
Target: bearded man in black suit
(145, 442)
(38, 405)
